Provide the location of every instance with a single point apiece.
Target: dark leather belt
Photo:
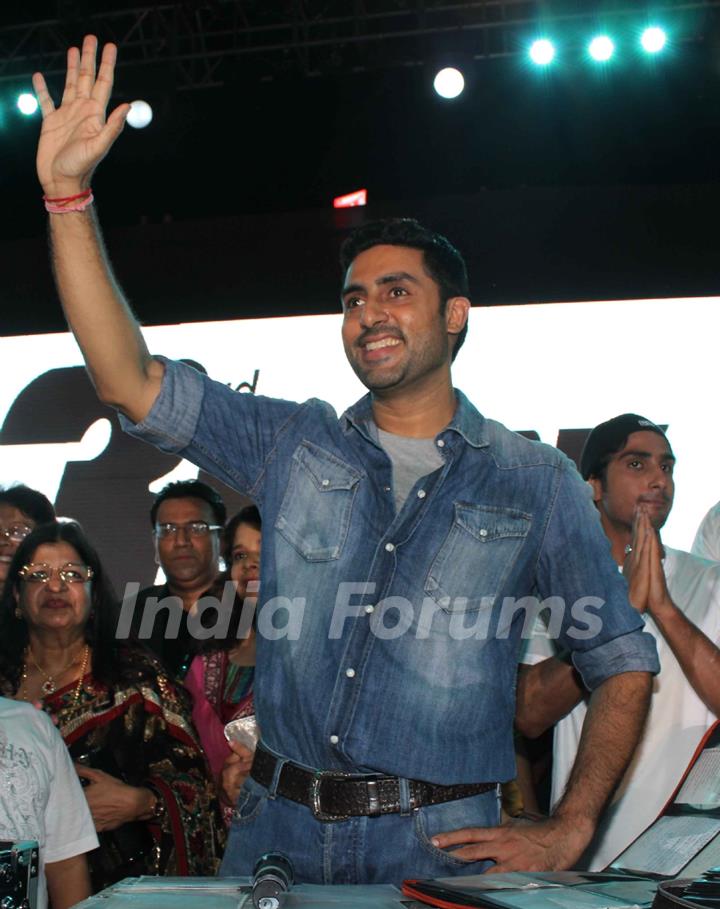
(333, 795)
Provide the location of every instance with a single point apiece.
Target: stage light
(601, 48)
(653, 40)
(140, 114)
(449, 82)
(27, 104)
(542, 52)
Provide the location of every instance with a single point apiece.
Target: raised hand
(76, 136)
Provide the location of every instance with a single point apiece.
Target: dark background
(581, 182)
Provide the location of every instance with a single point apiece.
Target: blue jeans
(361, 850)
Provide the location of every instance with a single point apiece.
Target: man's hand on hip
(553, 844)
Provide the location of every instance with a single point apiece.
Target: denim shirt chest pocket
(314, 515)
(477, 556)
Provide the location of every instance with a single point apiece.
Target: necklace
(83, 668)
(49, 686)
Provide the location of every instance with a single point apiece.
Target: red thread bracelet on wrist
(83, 195)
(78, 202)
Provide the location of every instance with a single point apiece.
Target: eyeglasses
(194, 528)
(41, 572)
(16, 533)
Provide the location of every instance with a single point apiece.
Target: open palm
(75, 136)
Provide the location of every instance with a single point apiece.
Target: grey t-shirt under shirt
(411, 459)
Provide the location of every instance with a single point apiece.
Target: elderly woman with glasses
(124, 722)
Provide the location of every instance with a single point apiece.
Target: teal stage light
(653, 40)
(542, 52)
(601, 48)
(27, 104)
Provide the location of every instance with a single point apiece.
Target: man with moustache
(186, 517)
(629, 463)
(380, 752)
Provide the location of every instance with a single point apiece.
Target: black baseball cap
(609, 437)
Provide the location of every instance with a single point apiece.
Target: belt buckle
(315, 795)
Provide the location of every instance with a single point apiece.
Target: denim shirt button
(483, 533)
(326, 482)
(350, 673)
(444, 601)
(334, 739)
(369, 609)
(421, 494)
(441, 443)
(389, 547)
(386, 489)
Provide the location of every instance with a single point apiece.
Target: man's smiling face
(394, 331)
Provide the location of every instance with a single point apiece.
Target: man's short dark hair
(442, 261)
(31, 502)
(190, 489)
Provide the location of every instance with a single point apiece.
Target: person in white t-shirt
(707, 539)
(629, 463)
(41, 799)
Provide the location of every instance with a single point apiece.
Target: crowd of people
(144, 731)
(395, 536)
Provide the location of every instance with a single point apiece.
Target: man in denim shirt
(388, 635)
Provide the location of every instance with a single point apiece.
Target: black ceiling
(277, 139)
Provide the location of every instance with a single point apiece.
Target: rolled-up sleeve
(632, 652)
(173, 419)
(230, 434)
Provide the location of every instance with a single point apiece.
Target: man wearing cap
(629, 463)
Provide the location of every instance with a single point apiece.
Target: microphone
(273, 876)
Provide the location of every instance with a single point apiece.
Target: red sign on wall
(351, 200)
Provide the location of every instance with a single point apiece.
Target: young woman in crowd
(221, 676)
(125, 724)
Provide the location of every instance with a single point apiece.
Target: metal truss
(209, 42)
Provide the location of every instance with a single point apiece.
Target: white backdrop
(543, 367)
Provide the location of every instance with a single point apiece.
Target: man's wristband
(62, 204)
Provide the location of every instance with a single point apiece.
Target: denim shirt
(385, 639)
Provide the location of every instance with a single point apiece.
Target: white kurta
(676, 723)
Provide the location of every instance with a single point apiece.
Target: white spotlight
(140, 114)
(542, 52)
(449, 82)
(27, 104)
(653, 40)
